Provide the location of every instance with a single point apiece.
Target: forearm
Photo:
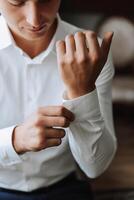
(91, 136)
(92, 146)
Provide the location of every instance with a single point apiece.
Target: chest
(26, 86)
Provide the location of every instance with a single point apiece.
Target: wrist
(16, 140)
(71, 94)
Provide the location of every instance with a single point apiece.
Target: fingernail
(111, 33)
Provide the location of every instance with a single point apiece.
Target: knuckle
(91, 34)
(62, 62)
(68, 37)
(39, 109)
(79, 34)
(95, 58)
(37, 141)
(40, 132)
(70, 60)
(61, 110)
(59, 42)
(58, 142)
(62, 132)
(82, 59)
(37, 120)
(40, 142)
(64, 122)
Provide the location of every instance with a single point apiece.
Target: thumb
(105, 46)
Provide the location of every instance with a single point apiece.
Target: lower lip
(37, 31)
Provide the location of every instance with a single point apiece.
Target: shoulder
(5, 39)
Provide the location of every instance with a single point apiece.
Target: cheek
(11, 14)
(9, 11)
(56, 8)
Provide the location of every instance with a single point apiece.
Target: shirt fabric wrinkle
(36, 82)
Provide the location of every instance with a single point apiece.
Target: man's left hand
(80, 60)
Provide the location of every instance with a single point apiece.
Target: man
(52, 116)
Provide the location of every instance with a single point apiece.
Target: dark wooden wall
(123, 7)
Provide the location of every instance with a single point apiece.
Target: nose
(33, 16)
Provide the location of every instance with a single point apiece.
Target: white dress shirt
(25, 85)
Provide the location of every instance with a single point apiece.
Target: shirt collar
(59, 34)
(6, 34)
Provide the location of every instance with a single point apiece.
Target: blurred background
(117, 183)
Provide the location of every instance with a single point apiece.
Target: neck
(35, 47)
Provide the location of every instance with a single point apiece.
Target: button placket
(30, 90)
(26, 88)
(29, 81)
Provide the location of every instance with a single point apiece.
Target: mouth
(36, 30)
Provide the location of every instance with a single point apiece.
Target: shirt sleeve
(91, 136)
(8, 155)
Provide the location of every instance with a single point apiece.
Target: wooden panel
(120, 174)
(113, 6)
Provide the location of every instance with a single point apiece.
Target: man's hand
(40, 132)
(80, 60)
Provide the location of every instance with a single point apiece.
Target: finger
(55, 133)
(56, 111)
(70, 45)
(92, 43)
(49, 121)
(57, 122)
(105, 46)
(53, 142)
(80, 42)
(60, 49)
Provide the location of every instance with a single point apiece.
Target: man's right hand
(40, 132)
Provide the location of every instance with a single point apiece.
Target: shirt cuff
(86, 106)
(8, 155)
